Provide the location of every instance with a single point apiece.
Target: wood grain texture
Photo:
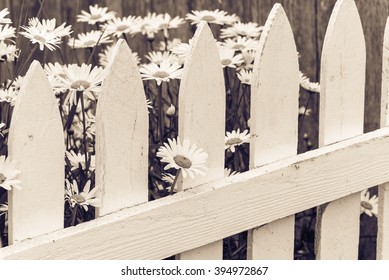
(383, 190)
(210, 212)
(274, 117)
(122, 134)
(341, 117)
(36, 143)
(202, 95)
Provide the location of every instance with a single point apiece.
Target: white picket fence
(193, 222)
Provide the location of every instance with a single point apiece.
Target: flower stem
(84, 132)
(175, 181)
(160, 114)
(74, 215)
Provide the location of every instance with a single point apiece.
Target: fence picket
(122, 135)
(383, 190)
(36, 143)
(274, 116)
(341, 117)
(202, 117)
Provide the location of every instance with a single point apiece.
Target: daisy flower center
(80, 84)
(121, 27)
(40, 38)
(90, 43)
(2, 178)
(208, 18)
(161, 74)
(233, 141)
(78, 198)
(366, 205)
(95, 16)
(226, 61)
(182, 161)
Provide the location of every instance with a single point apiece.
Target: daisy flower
(120, 26)
(304, 111)
(3, 13)
(171, 110)
(150, 25)
(235, 138)
(369, 205)
(228, 57)
(159, 57)
(182, 50)
(106, 55)
(7, 32)
(8, 174)
(3, 210)
(167, 22)
(81, 78)
(308, 85)
(248, 59)
(85, 198)
(241, 43)
(17, 84)
(9, 95)
(3, 131)
(54, 72)
(89, 40)
(216, 17)
(45, 33)
(161, 73)
(188, 159)
(8, 52)
(97, 14)
(168, 178)
(78, 161)
(90, 129)
(149, 104)
(250, 29)
(229, 173)
(245, 76)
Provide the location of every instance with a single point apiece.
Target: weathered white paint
(210, 212)
(341, 117)
(202, 116)
(274, 122)
(122, 135)
(383, 190)
(36, 142)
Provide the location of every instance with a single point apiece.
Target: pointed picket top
(122, 134)
(274, 122)
(342, 75)
(341, 117)
(274, 92)
(202, 103)
(36, 143)
(202, 117)
(383, 190)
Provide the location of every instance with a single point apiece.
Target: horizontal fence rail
(212, 211)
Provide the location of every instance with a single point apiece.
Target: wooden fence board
(202, 112)
(341, 117)
(274, 117)
(383, 190)
(36, 142)
(210, 212)
(122, 135)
